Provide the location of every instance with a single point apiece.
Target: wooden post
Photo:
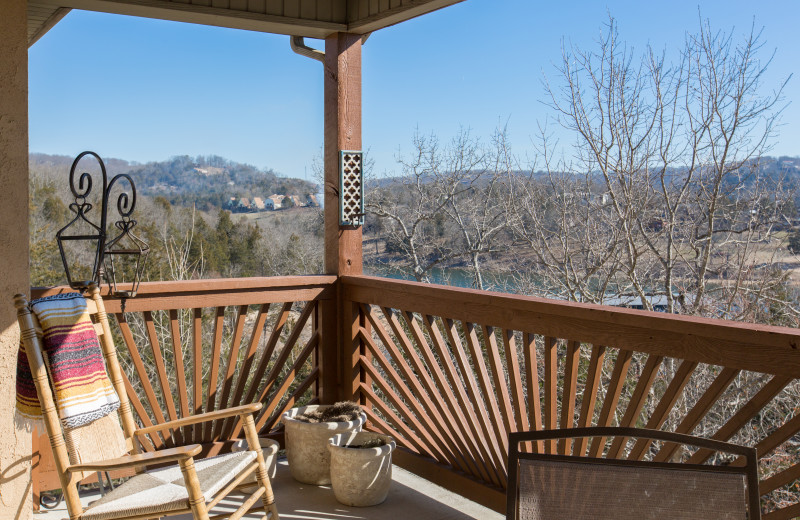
(342, 132)
(262, 476)
(197, 501)
(15, 443)
(342, 243)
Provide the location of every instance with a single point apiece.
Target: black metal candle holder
(119, 259)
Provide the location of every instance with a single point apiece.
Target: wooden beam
(342, 132)
(342, 86)
(154, 296)
(186, 288)
(308, 18)
(55, 16)
(206, 15)
(367, 22)
(746, 346)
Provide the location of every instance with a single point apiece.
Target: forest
(187, 239)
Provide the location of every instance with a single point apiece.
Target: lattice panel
(351, 188)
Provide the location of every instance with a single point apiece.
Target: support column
(342, 132)
(342, 243)
(15, 444)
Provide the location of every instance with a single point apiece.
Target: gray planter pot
(269, 449)
(360, 477)
(307, 444)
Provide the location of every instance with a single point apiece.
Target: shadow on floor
(410, 498)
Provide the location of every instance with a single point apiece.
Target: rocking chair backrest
(101, 439)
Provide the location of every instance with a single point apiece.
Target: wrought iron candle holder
(121, 260)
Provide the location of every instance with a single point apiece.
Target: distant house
(311, 200)
(258, 204)
(244, 205)
(277, 201)
(655, 225)
(659, 302)
(296, 201)
(209, 170)
(600, 198)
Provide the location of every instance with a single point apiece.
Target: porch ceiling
(308, 18)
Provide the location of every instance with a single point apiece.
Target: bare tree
(413, 205)
(663, 194)
(479, 211)
(177, 243)
(448, 206)
(565, 235)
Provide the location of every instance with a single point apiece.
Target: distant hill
(784, 168)
(207, 181)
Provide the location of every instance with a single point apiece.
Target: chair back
(98, 440)
(547, 486)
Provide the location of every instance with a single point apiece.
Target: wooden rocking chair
(188, 487)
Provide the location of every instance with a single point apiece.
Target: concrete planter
(360, 477)
(269, 449)
(307, 444)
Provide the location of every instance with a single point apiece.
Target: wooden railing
(450, 372)
(202, 345)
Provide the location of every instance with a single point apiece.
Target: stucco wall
(15, 445)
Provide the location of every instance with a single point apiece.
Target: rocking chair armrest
(140, 459)
(244, 409)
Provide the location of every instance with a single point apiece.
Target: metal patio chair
(553, 487)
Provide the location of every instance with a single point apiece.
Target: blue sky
(144, 90)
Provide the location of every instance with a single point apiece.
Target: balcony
(450, 372)
(409, 497)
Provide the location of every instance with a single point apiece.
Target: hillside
(186, 240)
(207, 181)
(784, 170)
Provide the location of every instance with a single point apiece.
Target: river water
(455, 276)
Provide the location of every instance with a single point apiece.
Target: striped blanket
(82, 390)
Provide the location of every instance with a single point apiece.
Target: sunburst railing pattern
(198, 346)
(450, 372)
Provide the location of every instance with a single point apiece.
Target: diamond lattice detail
(352, 189)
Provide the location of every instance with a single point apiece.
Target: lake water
(455, 276)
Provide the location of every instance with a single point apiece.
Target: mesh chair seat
(546, 484)
(163, 490)
(593, 491)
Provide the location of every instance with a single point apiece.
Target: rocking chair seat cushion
(162, 490)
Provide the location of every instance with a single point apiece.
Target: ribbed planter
(269, 449)
(307, 444)
(360, 477)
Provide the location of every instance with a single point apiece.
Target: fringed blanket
(83, 392)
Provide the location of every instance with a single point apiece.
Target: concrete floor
(410, 498)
